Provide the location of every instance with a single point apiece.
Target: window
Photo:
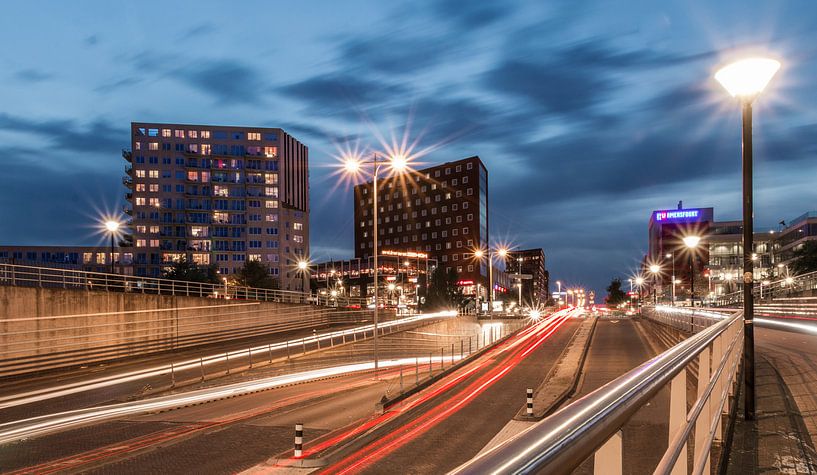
(271, 204)
(253, 135)
(165, 132)
(193, 134)
(298, 226)
(153, 132)
(179, 134)
(153, 174)
(153, 146)
(469, 165)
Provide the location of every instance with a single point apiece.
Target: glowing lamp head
(391, 287)
(352, 165)
(639, 280)
(333, 293)
(479, 253)
(398, 163)
(789, 280)
(655, 268)
(112, 226)
(748, 77)
(692, 241)
(502, 252)
(302, 265)
(668, 255)
(535, 314)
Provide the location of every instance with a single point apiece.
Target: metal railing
(593, 425)
(782, 287)
(51, 277)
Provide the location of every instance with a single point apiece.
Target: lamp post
(353, 165)
(479, 254)
(745, 80)
(112, 227)
(691, 242)
(671, 256)
(654, 270)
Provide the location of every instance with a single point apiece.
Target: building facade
(441, 211)
(529, 262)
(791, 237)
(218, 195)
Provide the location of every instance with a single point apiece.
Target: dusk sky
(588, 115)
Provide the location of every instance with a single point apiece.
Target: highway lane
(128, 380)
(440, 433)
(171, 437)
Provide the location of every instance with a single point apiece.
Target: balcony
(128, 196)
(127, 155)
(129, 170)
(127, 209)
(127, 181)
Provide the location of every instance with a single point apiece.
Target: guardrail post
(227, 356)
(704, 419)
(172, 375)
(299, 439)
(677, 417)
(201, 367)
(249, 355)
(303, 341)
(717, 355)
(608, 459)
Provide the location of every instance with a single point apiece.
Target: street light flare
(398, 163)
(655, 268)
(352, 165)
(748, 77)
(692, 241)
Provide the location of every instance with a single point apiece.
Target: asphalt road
(446, 431)
(617, 347)
(229, 435)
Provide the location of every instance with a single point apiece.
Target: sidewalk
(777, 441)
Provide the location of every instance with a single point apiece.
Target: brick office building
(529, 262)
(441, 211)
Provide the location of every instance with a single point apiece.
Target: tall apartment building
(441, 211)
(529, 262)
(218, 194)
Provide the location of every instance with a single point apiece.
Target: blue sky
(588, 114)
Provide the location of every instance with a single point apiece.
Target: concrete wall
(68, 325)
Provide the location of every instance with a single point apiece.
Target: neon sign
(677, 215)
(420, 255)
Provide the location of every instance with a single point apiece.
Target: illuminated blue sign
(677, 216)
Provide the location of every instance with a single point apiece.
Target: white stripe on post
(299, 439)
(530, 402)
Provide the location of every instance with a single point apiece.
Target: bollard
(299, 439)
(201, 366)
(172, 376)
(530, 403)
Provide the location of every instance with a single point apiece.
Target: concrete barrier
(69, 327)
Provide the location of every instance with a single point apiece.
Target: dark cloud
(226, 80)
(91, 40)
(341, 93)
(33, 75)
(118, 84)
(471, 14)
(553, 88)
(71, 135)
(203, 29)
(394, 54)
(65, 215)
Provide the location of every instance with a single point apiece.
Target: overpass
(657, 393)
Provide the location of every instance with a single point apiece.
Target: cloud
(203, 29)
(226, 80)
(341, 93)
(118, 84)
(91, 40)
(71, 135)
(469, 14)
(392, 54)
(33, 75)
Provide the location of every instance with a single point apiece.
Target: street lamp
(479, 254)
(691, 242)
(112, 228)
(671, 256)
(398, 164)
(745, 80)
(654, 270)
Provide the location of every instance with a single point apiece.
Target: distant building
(218, 195)
(84, 258)
(792, 236)
(529, 262)
(441, 211)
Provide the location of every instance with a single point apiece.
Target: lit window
(153, 174)
(140, 173)
(154, 243)
(140, 202)
(153, 146)
(297, 226)
(253, 135)
(137, 145)
(192, 134)
(139, 243)
(205, 149)
(165, 132)
(179, 134)
(205, 134)
(154, 188)
(271, 204)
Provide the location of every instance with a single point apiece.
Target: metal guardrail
(782, 287)
(52, 277)
(592, 425)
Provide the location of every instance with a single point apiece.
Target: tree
(443, 291)
(255, 274)
(805, 258)
(183, 269)
(615, 295)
